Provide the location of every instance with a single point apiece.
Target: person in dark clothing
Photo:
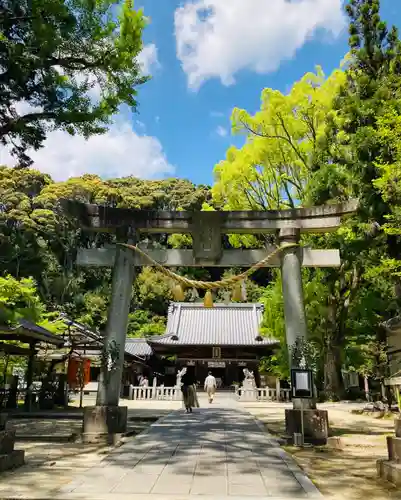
(188, 390)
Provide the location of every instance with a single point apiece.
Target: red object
(74, 367)
(87, 371)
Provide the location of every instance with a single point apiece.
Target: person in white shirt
(210, 386)
(144, 382)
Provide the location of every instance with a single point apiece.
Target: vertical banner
(78, 368)
(87, 371)
(72, 373)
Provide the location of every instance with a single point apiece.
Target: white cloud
(221, 131)
(95, 90)
(148, 60)
(118, 153)
(218, 38)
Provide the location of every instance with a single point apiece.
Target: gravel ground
(347, 474)
(51, 462)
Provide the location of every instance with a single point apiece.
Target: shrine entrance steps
(215, 453)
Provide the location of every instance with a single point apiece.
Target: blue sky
(186, 121)
(201, 71)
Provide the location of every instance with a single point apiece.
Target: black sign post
(302, 388)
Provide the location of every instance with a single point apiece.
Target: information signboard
(302, 383)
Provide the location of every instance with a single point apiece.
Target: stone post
(278, 390)
(117, 321)
(294, 308)
(107, 417)
(9, 458)
(293, 295)
(315, 421)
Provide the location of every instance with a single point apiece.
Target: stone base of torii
(206, 229)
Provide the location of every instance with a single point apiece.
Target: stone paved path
(215, 453)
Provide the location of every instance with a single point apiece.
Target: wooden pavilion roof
(15, 350)
(28, 333)
(82, 342)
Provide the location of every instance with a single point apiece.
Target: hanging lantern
(178, 293)
(208, 299)
(237, 293)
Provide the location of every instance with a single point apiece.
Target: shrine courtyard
(218, 452)
(218, 442)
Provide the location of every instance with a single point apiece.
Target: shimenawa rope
(209, 285)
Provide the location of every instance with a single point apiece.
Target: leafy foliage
(19, 300)
(55, 55)
(38, 242)
(142, 323)
(270, 171)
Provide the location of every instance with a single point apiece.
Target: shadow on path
(220, 452)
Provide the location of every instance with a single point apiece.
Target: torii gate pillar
(291, 277)
(116, 328)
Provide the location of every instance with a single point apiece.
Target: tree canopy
(65, 64)
(272, 169)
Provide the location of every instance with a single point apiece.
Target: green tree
(19, 300)
(273, 170)
(270, 171)
(24, 226)
(348, 166)
(38, 240)
(273, 323)
(142, 323)
(352, 145)
(54, 54)
(388, 182)
(153, 291)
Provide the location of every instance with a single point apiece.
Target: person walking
(188, 390)
(210, 386)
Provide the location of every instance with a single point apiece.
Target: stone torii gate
(206, 229)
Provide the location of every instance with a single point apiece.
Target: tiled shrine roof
(138, 347)
(222, 325)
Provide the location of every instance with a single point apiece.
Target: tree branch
(76, 63)
(289, 140)
(25, 119)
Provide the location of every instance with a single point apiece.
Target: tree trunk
(366, 387)
(338, 309)
(333, 382)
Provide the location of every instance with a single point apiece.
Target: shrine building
(223, 339)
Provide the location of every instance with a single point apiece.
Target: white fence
(262, 394)
(162, 393)
(158, 393)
